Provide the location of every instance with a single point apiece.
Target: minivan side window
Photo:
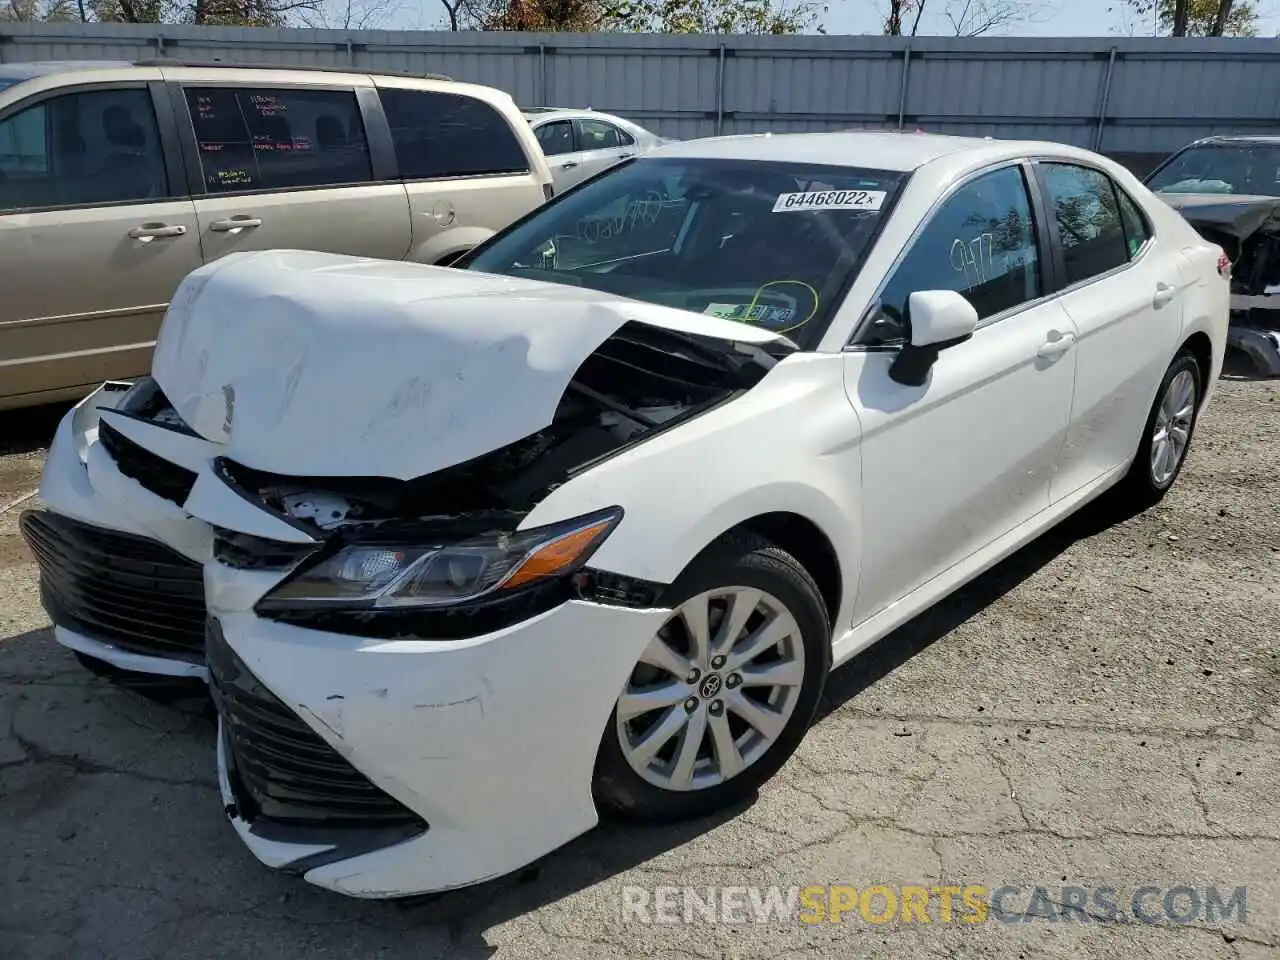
(82, 149)
(1087, 212)
(255, 138)
(980, 243)
(449, 135)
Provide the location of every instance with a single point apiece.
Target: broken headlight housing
(387, 573)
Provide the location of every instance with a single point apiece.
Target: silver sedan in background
(580, 143)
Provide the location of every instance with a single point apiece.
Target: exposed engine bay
(1248, 230)
(640, 381)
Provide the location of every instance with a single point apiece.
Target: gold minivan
(118, 179)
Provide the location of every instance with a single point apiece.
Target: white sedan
(578, 144)
(584, 525)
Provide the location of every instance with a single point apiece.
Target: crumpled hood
(313, 364)
(1235, 215)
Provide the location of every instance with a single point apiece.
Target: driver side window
(981, 243)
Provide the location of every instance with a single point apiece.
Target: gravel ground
(1100, 710)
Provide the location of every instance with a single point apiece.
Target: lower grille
(154, 472)
(121, 589)
(282, 773)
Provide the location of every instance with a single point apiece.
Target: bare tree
(350, 14)
(976, 18)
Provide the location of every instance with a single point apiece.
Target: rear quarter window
(439, 135)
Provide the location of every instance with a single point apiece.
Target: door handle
(1056, 346)
(624, 156)
(153, 231)
(568, 166)
(235, 223)
(1164, 294)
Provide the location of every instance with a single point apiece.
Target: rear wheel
(1167, 436)
(725, 690)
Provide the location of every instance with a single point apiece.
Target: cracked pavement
(1100, 710)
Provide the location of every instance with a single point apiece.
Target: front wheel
(725, 690)
(1167, 436)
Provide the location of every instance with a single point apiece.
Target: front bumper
(473, 757)
(96, 509)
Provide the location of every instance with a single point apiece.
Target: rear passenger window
(82, 149)
(1136, 229)
(449, 135)
(555, 137)
(253, 138)
(981, 243)
(598, 135)
(1087, 212)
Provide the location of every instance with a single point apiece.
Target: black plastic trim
(287, 783)
(121, 589)
(156, 474)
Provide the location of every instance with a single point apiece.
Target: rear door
(465, 170)
(281, 164)
(560, 146)
(601, 145)
(96, 232)
(1123, 288)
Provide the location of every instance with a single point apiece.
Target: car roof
(1237, 138)
(42, 68)
(882, 150)
(551, 113)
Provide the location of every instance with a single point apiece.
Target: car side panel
(790, 444)
(952, 465)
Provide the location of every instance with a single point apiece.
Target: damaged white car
(473, 554)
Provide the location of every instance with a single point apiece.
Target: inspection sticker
(745, 313)
(830, 200)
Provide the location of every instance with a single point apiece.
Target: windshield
(1239, 168)
(763, 243)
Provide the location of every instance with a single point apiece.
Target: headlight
(390, 574)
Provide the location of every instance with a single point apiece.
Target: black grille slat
(283, 774)
(128, 591)
(164, 479)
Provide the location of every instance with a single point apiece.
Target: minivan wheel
(725, 690)
(1167, 436)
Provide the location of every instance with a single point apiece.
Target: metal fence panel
(1125, 96)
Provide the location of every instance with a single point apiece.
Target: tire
(734, 567)
(1144, 485)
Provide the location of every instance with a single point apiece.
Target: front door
(950, 466)
(95, 236)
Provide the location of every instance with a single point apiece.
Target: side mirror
(939, 319)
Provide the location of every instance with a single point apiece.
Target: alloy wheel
(1172, 430)
(713, 691)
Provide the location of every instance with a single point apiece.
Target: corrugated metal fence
(1135, 98)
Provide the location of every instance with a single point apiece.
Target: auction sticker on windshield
(830, 200)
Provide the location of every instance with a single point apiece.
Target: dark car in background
(1228, 188)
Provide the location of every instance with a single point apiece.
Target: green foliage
(1202, 16)
(767, 17)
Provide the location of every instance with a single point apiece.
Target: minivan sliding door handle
(234, 223)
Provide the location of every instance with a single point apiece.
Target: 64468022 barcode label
(830, 200)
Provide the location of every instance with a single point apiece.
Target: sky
(1051, 18)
